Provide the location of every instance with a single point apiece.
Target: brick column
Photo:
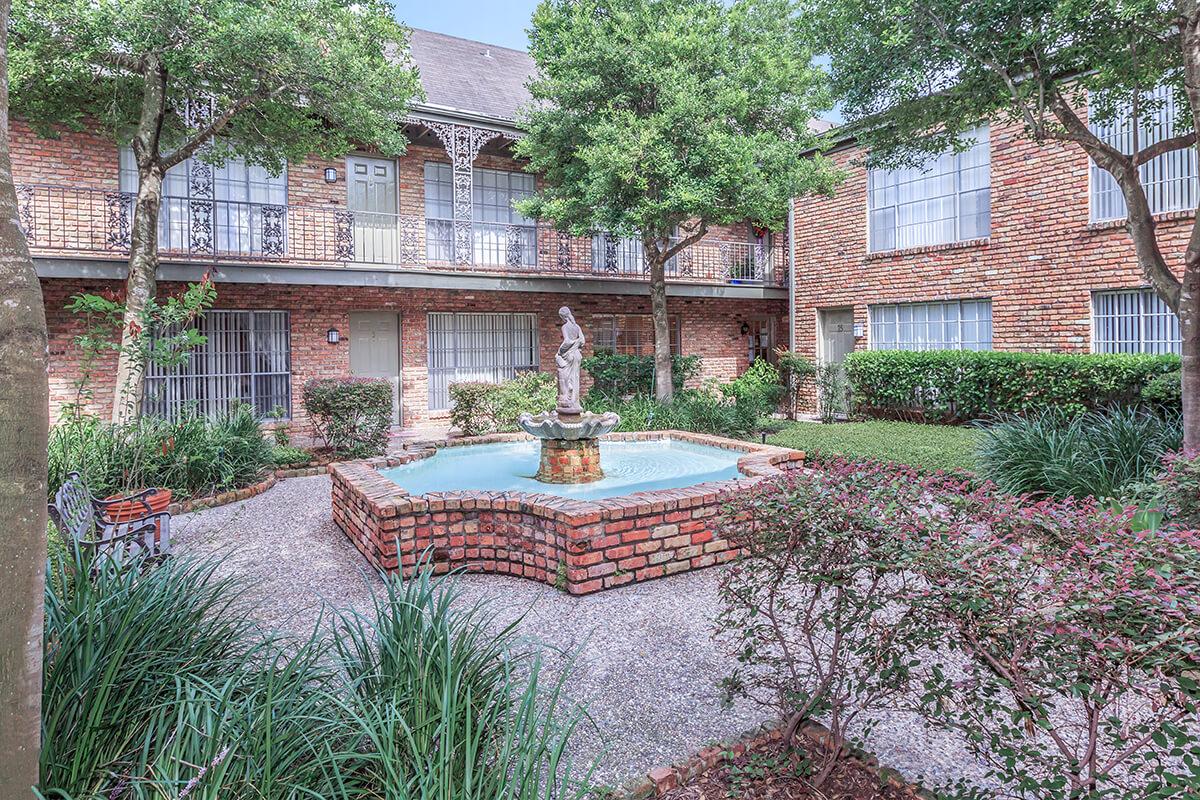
(570, 461)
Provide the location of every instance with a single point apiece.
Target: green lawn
(927, 446)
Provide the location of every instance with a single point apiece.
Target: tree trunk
(24, 421)
(140, 288)
(1189, 332)
(664, 383)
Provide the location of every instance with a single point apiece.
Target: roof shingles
(471, 77)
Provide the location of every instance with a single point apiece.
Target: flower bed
(581, 546)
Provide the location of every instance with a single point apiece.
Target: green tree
(660, 118)
(265, 80)
(24, 420)
(915, 75)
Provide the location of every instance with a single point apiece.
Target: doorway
(837, 334)
(375, 350)
(372, 197)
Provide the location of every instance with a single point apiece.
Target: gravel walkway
(644, 663)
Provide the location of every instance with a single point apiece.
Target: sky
(501, 22)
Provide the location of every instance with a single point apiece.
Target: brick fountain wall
(581, 546)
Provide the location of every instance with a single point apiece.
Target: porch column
(462, 143)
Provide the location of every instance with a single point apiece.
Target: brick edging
(246, 492)
(661, 780)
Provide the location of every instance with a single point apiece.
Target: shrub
(622, 375)
(192, 456)
(287, 456)
(833, 393)
(1175, 491)
(351, 415)
(757, 391)
(960, 385)
(1165, 391)
(697, 410)
(478, 408)
(795, 370)
(1079, 639)
(814, 610)
(1053, 453)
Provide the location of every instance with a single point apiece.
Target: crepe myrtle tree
(658, 119)
(915, 76)
(264, 80)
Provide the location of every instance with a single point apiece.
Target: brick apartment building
(1007, 246)
(414, 268)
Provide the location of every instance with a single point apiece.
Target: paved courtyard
(645, 665)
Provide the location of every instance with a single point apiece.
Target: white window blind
(502, 237)
(952, 325)
(946, 200)
(1133, 321)
(236, 220)
(478, 347)
(247, 358)
(1169, 180)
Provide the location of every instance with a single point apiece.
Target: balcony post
(462, 144)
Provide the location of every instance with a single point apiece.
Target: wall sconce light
(330, 175)
(745, 329)
(332, 336)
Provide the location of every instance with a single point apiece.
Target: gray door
(375, 350)
(837, 335)
(371, 183)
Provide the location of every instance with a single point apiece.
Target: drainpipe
(791, 262)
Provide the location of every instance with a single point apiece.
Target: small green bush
(1165, 391)
(961, 385)
(1056, 454)
(1174, 491)
(351, 415)
(478, 408)
(757, 391)
(621, 375)
(192, 456)
(697, 410)
(288, 455)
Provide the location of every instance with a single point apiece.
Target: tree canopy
(649, 113)
(278, 79)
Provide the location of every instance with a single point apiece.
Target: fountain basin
(581, 538)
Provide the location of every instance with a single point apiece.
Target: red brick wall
(711, 329)
(1039, 266)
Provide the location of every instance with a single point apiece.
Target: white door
(371, 183)
(375, 350)
(837, 334)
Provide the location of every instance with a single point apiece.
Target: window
(631, 334)
(952, 325)
(478, 347)
(234, 223)
(1134, 321)
(502, 237)
(1169, 180)
(946, 200)
(247, 358)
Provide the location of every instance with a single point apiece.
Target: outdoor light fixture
(330, 175)
(332, 336)
(745, 328)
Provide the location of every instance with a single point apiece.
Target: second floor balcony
(95, 223)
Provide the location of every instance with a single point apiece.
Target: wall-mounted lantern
(330, 175)
(745, 329)
(332, 336)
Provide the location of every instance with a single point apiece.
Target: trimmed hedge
(622, 375)
(961, 385)
(478, 408)
(351, 415)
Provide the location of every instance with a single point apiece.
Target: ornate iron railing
(98, 223)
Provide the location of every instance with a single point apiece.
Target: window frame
(982, 133)
(874, 341)
(441, 376)
(204, 356)
(1144, 294)
(489, 237)
(644, 336)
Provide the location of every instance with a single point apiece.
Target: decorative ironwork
(687, 264)
(462, 143)
(410, 241)
(513, 249)
(274, 241)
(200, 227)
(343, 235)
(25, 212)
(612, 262)
(564, 250)
(117, 230)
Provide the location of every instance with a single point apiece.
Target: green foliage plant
(352, 416)
(479, 408)
(623, 375)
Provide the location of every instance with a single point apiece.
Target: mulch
(775, 772)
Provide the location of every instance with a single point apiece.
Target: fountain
(569, 435)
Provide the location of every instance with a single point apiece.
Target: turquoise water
(628, 467)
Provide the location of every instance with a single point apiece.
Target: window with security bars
(1133, 321)
(631, 334)
(502, 237)
(478, 347)
(945, 200)
(1169, 180)
(246, 358)
(950, 325)
(232, 219)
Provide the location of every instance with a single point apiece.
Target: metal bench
(86, 520)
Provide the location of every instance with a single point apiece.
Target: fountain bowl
(568, 427)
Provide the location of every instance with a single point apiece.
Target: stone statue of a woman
(568, 358)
